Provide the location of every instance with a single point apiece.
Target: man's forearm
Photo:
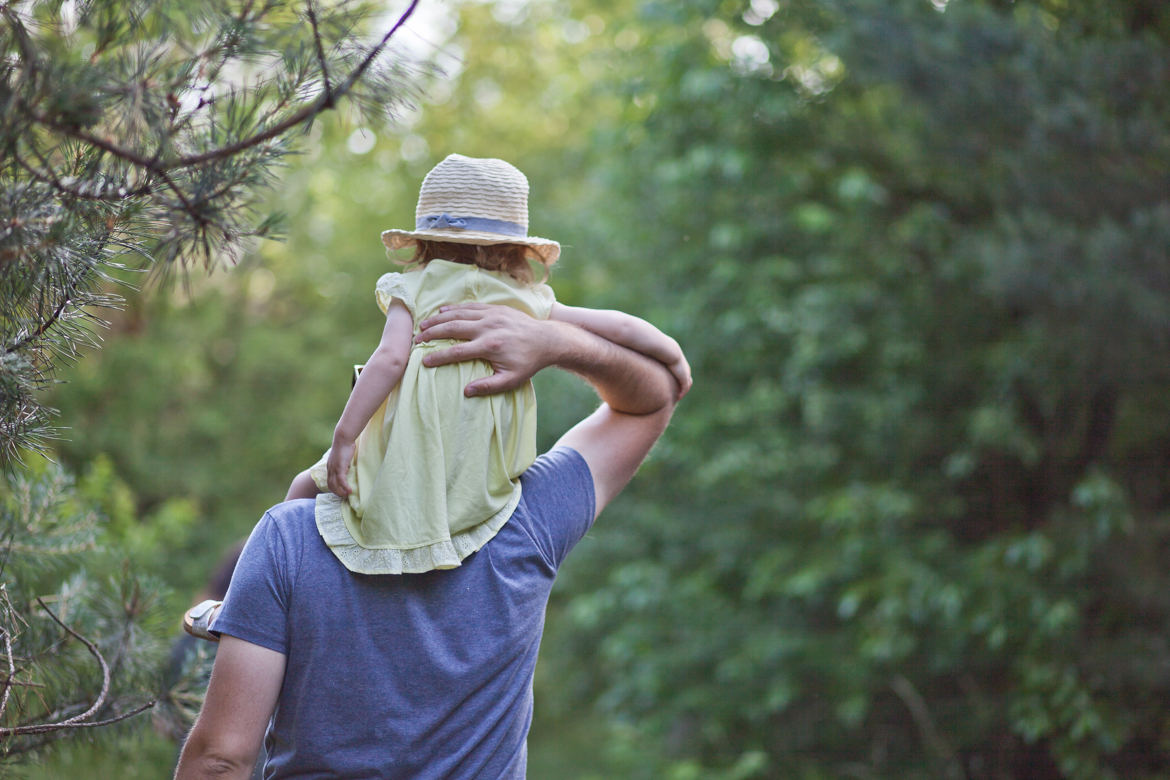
(518, 346)
(629, 382)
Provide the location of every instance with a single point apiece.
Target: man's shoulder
(557, 503)
(559, 469)
(299, 511)
(288, 525)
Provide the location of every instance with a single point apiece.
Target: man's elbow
(211, 765)
(203, 759)
(662, 392)
(660, 397)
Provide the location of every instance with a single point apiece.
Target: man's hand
(516, 345)
(639, 392)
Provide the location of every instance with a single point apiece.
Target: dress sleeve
(396, 285)
(545, 298)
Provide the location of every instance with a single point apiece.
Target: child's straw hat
(469, 200)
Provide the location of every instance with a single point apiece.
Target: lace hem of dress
(391, 286)
(440, 555)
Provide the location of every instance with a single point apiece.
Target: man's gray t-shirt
(420, 676)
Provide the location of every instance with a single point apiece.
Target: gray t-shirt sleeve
(257, 602)
(558, 494)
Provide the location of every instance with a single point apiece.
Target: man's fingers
(490, 385)
(456, 329)
(456, 353)
(461, 311)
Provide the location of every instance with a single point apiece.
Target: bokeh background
(912, 520)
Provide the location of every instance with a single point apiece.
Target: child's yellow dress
(435, 474)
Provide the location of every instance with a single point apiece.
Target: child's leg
(302, 487)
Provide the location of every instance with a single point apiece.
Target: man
(426, 675)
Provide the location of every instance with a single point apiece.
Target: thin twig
(45, 728)
(8, 683)
(927, 730)
(106, 146)
(200, 220)
(101, 699)
(320, 54)
(375, 52)
(22, 342)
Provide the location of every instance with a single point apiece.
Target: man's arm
(226, 738)
(626, 330)
(638, 392)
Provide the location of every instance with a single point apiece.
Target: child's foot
(197, 620)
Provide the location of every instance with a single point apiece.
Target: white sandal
(197, 620)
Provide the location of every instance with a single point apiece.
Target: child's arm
(631, 332)
(381, 373)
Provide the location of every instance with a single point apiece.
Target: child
(419, 476)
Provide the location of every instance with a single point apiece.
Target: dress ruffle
(440, 555)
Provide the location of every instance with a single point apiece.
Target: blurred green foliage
(910, 522)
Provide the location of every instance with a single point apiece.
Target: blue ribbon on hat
(442, 222)
(445, 221)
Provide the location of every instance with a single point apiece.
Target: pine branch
(309, 111)
(101, 699)
(46, 176)
(325, 102)
(77, 721)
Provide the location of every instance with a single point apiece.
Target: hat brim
(547, 250)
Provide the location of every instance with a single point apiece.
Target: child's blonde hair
(512, 259)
